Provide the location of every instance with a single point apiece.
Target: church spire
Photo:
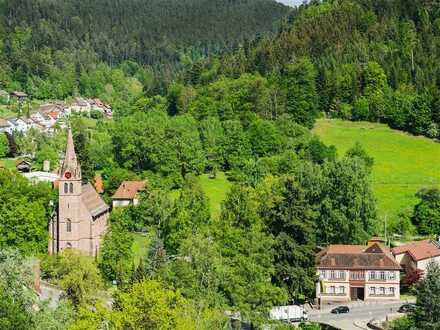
(71, 166)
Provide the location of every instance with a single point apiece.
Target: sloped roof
(19, 94)
(419, 250)
(4, 123)
(99, 185)
(128, 189)
(92, 200)
(375, 256)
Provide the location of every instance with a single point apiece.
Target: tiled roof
(4, 123)
(374, 256)
(92, 200)
(99, 185)
(419, 250)
(128, 189)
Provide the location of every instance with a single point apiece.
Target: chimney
(46, 166)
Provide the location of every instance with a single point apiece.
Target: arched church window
(68, 225)
(71, 188)
(66, 187)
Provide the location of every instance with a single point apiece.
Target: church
(80, 221)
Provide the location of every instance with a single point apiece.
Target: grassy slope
(8, 163)
(140, 246)
(216, 190)
(402, 163)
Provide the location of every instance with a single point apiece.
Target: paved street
(357, 313)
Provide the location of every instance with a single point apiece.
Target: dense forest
(44, 40)
(374, 60)
(245, 114)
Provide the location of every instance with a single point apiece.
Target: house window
(357, 275)
(68, 225)
(372, 275)
(382, 291)
(332, 274)
(322, 273)
(392, 275)
(391, 291)
(382, 275)
(332, 289)
(372, 290)
(66, 187)
(342, 275)
(71, 188)
(342, 289)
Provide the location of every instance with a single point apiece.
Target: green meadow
(216, 190)
(402, 163)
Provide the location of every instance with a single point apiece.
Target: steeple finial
(71, 164)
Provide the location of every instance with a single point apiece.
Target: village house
(357, 272)
(23, 166)
(19, 96)
(79, 105)
(19, 125)
(80, 221)
(128, 193)
(417, 255)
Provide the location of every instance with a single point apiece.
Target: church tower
(81, 219)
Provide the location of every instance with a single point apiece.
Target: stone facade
(81, 218)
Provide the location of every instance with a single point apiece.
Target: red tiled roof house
(417, 255)
(357, 272)
(128, 193)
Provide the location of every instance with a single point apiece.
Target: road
(357, 313)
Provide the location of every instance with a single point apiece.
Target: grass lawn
(216, 190)
(8, 163)
(140, 246)
(6, 112)
(402, 163)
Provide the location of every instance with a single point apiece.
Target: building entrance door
(357, 293)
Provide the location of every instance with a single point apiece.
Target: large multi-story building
(81, 218)
(357, 272)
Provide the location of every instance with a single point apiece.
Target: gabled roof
(419, 250)
(374, 256)
(128, 189)
(4, 123)
(92, 200)
(19, 94)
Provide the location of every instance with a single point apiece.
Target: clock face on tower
(67, 175)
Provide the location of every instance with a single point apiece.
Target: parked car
(340, 310)
(406, 308)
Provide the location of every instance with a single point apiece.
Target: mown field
(402, 163)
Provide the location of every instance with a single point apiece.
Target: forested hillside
(42, 37)
(372, 60)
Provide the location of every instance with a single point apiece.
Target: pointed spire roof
(71, 164)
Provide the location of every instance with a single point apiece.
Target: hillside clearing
(402, 163)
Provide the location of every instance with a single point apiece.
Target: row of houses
(370, 272)
(48, 115)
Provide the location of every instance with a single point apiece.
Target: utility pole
(385, 223)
